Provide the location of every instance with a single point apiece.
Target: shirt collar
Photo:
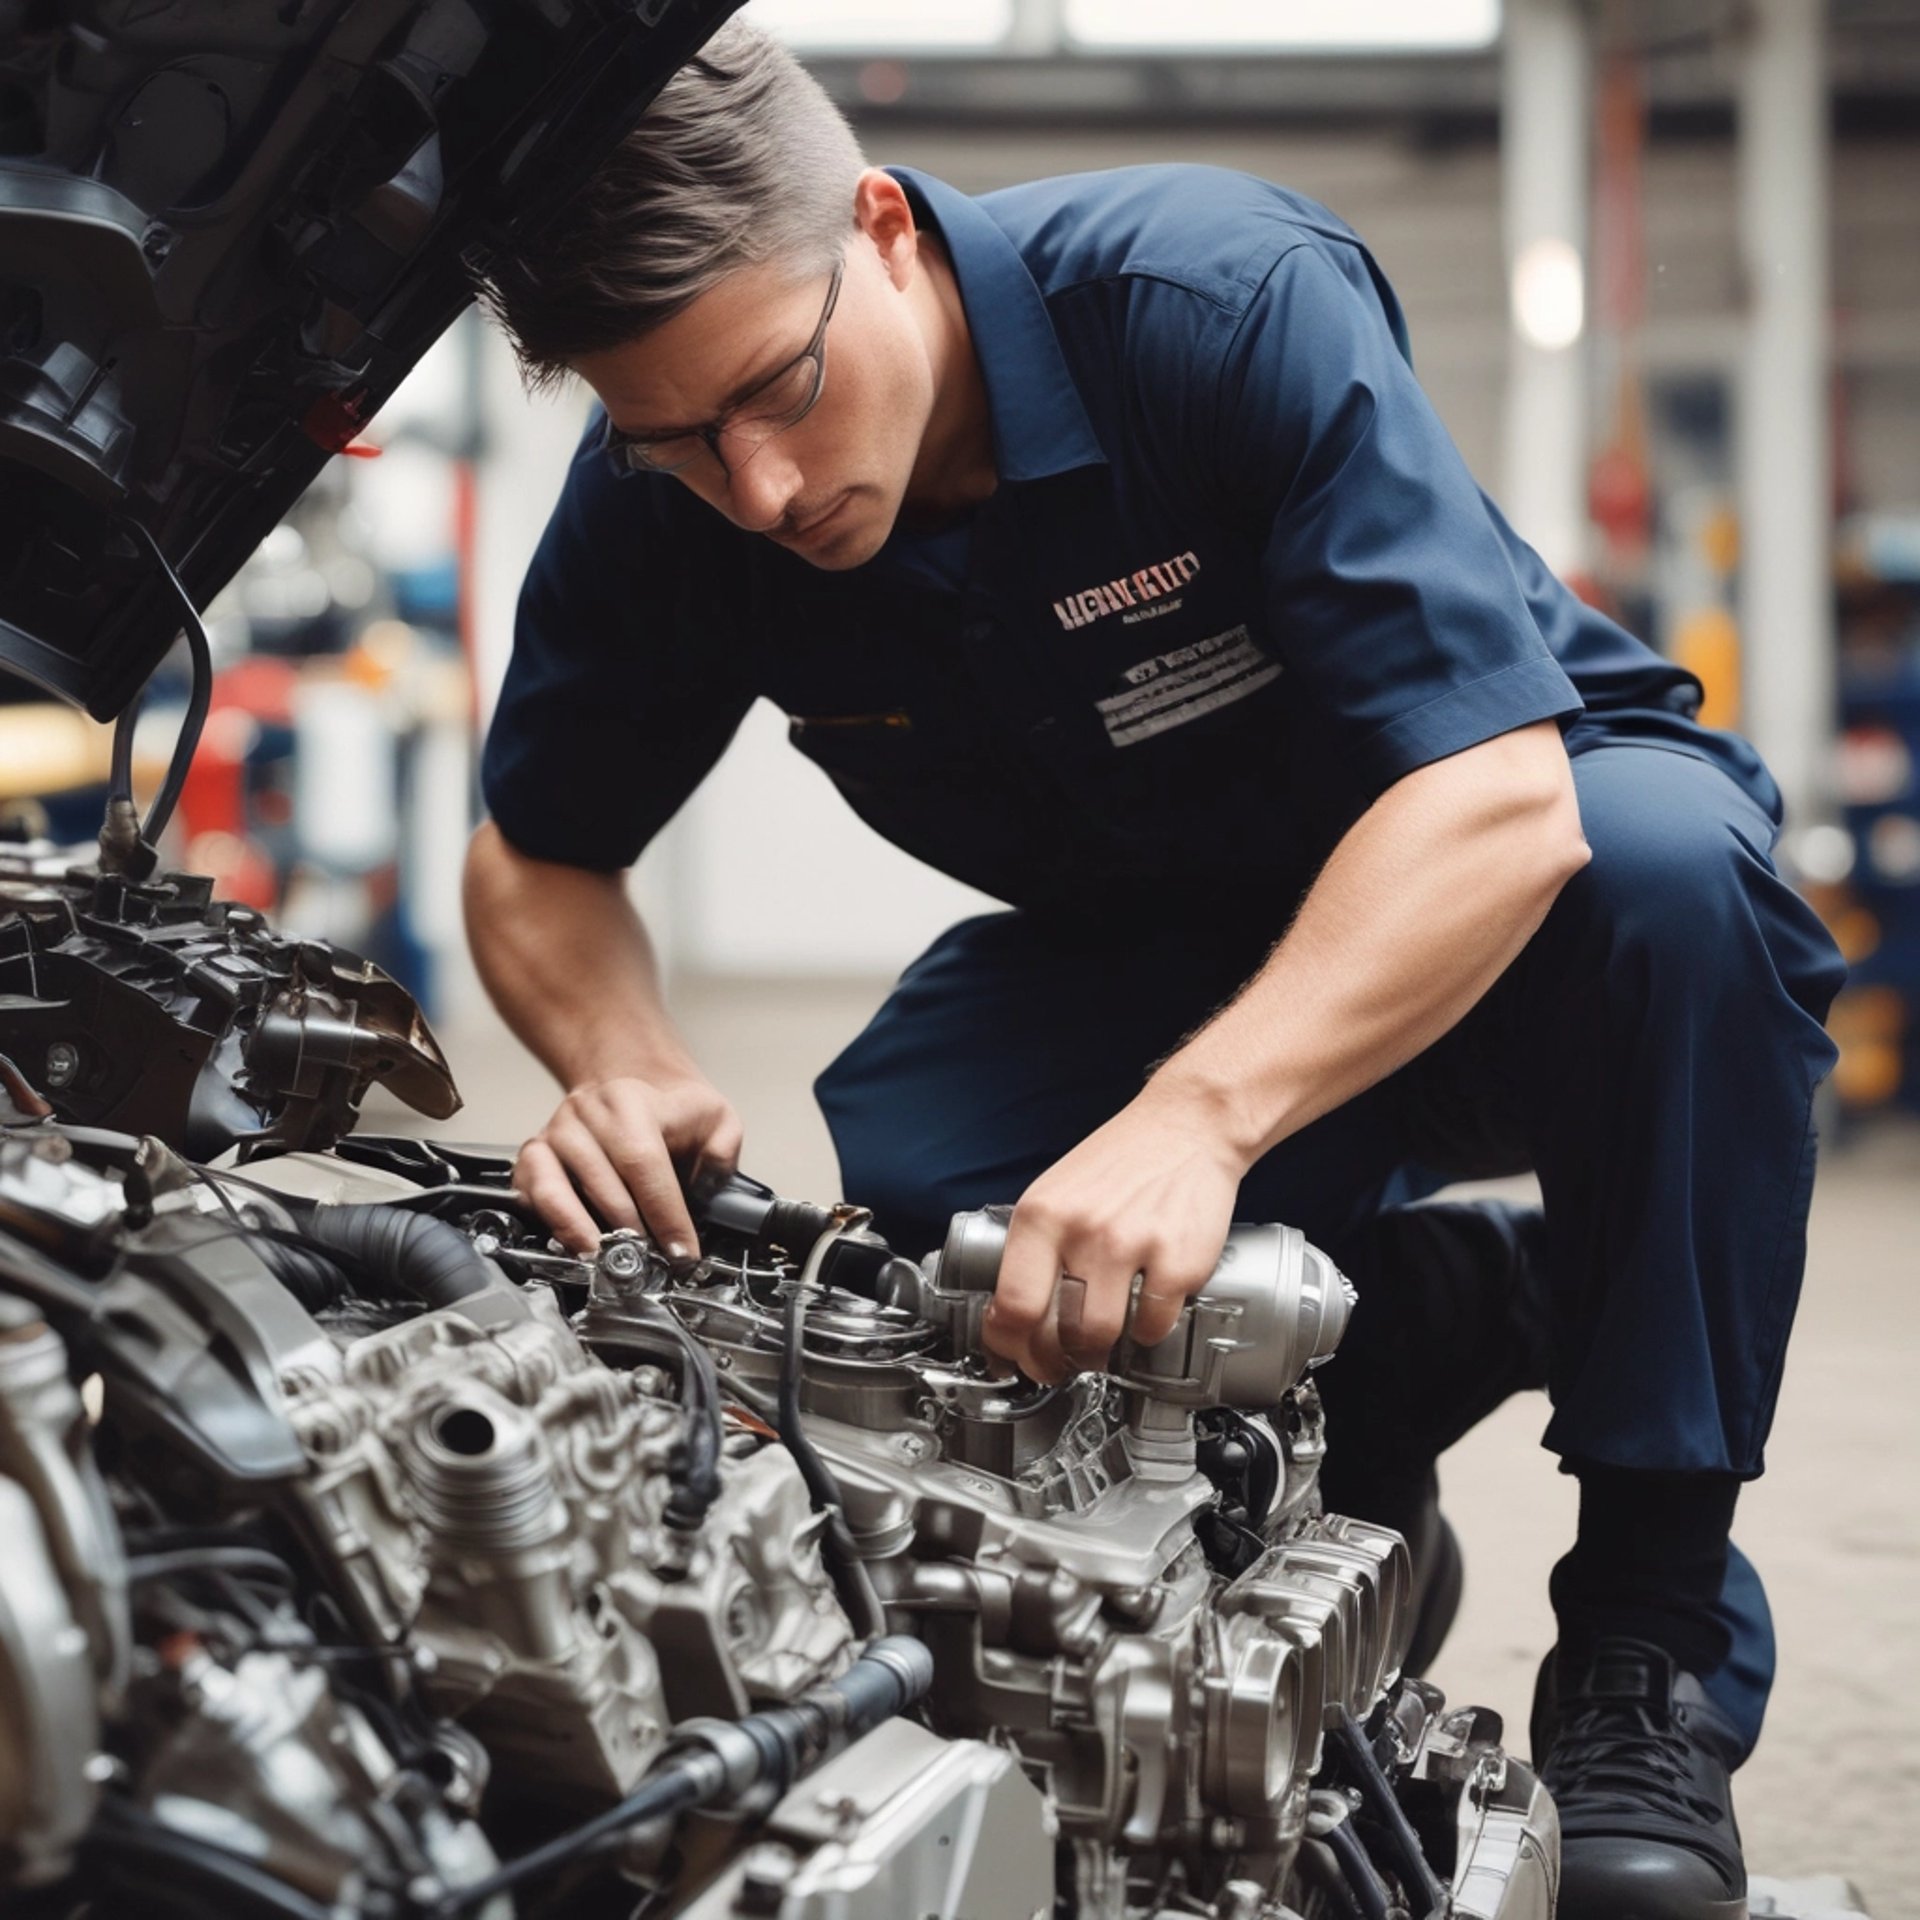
(1040, 427)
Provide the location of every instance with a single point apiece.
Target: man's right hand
(624, 1147)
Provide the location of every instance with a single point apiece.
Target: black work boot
(1636, 1758)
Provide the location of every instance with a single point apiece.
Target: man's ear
(881, 212)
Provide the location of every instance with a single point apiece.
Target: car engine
(371, 1556)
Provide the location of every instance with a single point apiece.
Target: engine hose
(850, 1577)
(726, 1759)
(1363, 1883)
(199, 695)
(1319, 1867)
(1406, 1856)
(309, 1275)
(398, 1251)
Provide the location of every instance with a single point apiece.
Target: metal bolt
(622, 1259)
(63, 1062)
(766, 1869)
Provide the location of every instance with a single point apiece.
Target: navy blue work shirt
(1233, 583)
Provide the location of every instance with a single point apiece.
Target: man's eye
(786, 391)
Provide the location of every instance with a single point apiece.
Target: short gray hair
(741, 160)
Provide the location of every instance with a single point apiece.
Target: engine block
(413, 1538)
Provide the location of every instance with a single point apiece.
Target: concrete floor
(1834, 1525)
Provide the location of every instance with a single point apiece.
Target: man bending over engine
(1104, 551)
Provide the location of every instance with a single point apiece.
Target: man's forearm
(1426, 901)
(566, 960)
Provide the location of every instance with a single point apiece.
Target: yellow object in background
(1707, 644)
(46, 748)
(1868, 1024)
(1720, 541)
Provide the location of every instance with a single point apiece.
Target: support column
(1544, 117)
(1785, 462)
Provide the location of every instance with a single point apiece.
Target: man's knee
(1681, 902)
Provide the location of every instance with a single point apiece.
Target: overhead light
(884, 26)
(1549, 293)
(1287, 26)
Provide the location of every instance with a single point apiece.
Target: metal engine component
(1170, 1681)
(901, 1823)
(264, 1763)
(1274, 1307)
(64, 1635)
(603, 1528)
(159, 1009)
(494, 1498)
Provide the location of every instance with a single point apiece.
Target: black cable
(120, 775)
(695, 1472)
(821, 1485)
(848, 1571)
(199, 697)
(1319, 1866)
(1368, 1890)
(674, 1788)
(220, 1193)
(175, 1563)
(1408, 1858)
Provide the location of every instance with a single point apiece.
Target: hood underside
(228, 229)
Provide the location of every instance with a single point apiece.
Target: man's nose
(761, 485)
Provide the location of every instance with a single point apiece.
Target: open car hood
(228, 228)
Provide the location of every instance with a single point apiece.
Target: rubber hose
(779, 1744)
(310, 1276)
(1368, 1890)
(408, 1253)
(1406, 1856)
(1319, 1867)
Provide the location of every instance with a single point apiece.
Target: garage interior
(1661, 264)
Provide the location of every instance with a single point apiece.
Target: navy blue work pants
(1652, 1055)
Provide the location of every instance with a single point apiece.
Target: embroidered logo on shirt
(1132, 595)
(1172, 688)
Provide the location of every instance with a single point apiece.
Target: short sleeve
(1391, 595)
(621, 693)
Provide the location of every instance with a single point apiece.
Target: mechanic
(1101, 546)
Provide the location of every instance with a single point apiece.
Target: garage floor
(1834, 1526)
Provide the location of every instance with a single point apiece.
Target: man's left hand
(1151, 1193)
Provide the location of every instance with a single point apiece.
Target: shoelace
(1621, 1758)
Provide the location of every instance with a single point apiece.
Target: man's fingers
(718, 1156)
(1093, 1315)
(601, 1183)
(1029, 1265)
(1023, 1322)
(542, 1181)
(1155, 1311)
(647, 1175)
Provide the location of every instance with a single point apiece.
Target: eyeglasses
(772, 407)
